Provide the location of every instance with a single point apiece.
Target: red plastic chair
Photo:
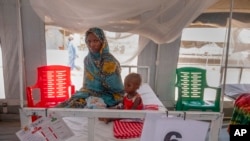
(55, 86)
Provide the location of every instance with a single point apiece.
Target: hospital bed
(103, 131)
(85, 125)
(239, 82)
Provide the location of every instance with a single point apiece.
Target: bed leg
(91, 128)
(215, 128)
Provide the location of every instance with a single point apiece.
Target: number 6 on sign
(157, 127)
(168, 136)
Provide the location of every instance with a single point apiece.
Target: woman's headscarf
(99, 33)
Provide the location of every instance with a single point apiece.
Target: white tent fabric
(159, 20)
(10, 47)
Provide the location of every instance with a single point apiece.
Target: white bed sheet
(104, 132)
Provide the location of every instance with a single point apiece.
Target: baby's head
(132, 82)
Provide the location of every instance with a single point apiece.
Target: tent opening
(204, 47)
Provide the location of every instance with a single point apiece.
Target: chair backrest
(54, 82)
(191, 83)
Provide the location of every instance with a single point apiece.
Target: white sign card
(27, 135)
(51, 128)
(158, 127)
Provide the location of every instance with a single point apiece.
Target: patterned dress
(129, 102)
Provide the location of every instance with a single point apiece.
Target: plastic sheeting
(240, 36)
(159, 20)
(239, 44)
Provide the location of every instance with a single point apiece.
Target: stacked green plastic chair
(191, 84)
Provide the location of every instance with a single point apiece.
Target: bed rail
(240, 68)
(214, 117)
(139, 69)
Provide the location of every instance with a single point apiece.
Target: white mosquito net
(159, 20)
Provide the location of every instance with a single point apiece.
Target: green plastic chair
(191, 83)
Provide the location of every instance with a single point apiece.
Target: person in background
(72, 53)
(102, 82)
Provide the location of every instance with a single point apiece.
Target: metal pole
(20, 51)
(157, 65)
(227, 52)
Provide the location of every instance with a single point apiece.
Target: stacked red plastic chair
(54, 84)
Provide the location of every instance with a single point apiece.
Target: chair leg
(184, 108)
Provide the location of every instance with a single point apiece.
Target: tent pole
(20, 52)
(157, 64)
(227, 53)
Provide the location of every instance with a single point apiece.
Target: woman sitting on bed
(102, 83)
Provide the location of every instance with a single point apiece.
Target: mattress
(103, 131)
